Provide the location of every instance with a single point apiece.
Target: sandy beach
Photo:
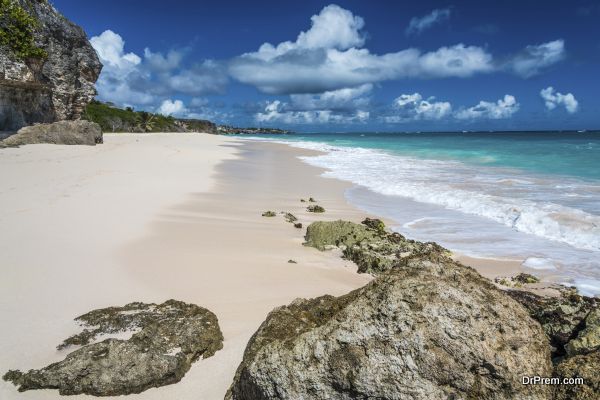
(153, 217)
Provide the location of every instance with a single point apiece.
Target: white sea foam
(539, 263)
(515, 202)
(587, 287)
(451, 202)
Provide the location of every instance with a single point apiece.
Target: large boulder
(428, 330)
(166, 339)
(62, 132)
(369, 245)
(48, 87)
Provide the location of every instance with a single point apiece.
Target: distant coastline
(113, 119)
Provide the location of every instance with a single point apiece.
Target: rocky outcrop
(588, 339)
(166, 339)
(52, 87)
(62, 132)
(562, 317)
(585, 367)
(427, 330)
(369, 245)
(572, 325)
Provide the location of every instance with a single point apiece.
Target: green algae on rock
(588, 339)
(167, 338)
(369, 245)
(561, 317)
(517, 281)
(428, 330)
(315, 209)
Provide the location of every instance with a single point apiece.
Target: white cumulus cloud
(535, 58)
(419, 24)
(118, 68)
(198, 108)
(552, 99)
(501, 109)
(170, 107)
(329, 56)
(336, 106)
(110, 48)
(128, 79)
(341, 99)
(280, 112)
(412, 107)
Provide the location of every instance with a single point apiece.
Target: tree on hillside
(145, 121)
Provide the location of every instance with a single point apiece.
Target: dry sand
(153, 217)
(148, 218)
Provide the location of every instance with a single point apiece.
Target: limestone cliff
(53, 86)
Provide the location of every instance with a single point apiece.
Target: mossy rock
(269, 214)
(322, 234)
(369, 245)
(315, 209)
(374, 223)
(562, 317)
(525, 279)
(588, 339)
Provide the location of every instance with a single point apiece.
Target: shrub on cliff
(16, 31)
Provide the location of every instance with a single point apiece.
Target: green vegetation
(16, 31)
(114, 119)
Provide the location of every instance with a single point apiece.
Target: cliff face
(52, 88)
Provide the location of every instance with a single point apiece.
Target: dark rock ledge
(168, 338)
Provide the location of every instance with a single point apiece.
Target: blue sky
(352, 65)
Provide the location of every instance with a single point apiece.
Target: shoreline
(492, 266)
(152, 217)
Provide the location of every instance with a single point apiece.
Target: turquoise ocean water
(527, 196)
